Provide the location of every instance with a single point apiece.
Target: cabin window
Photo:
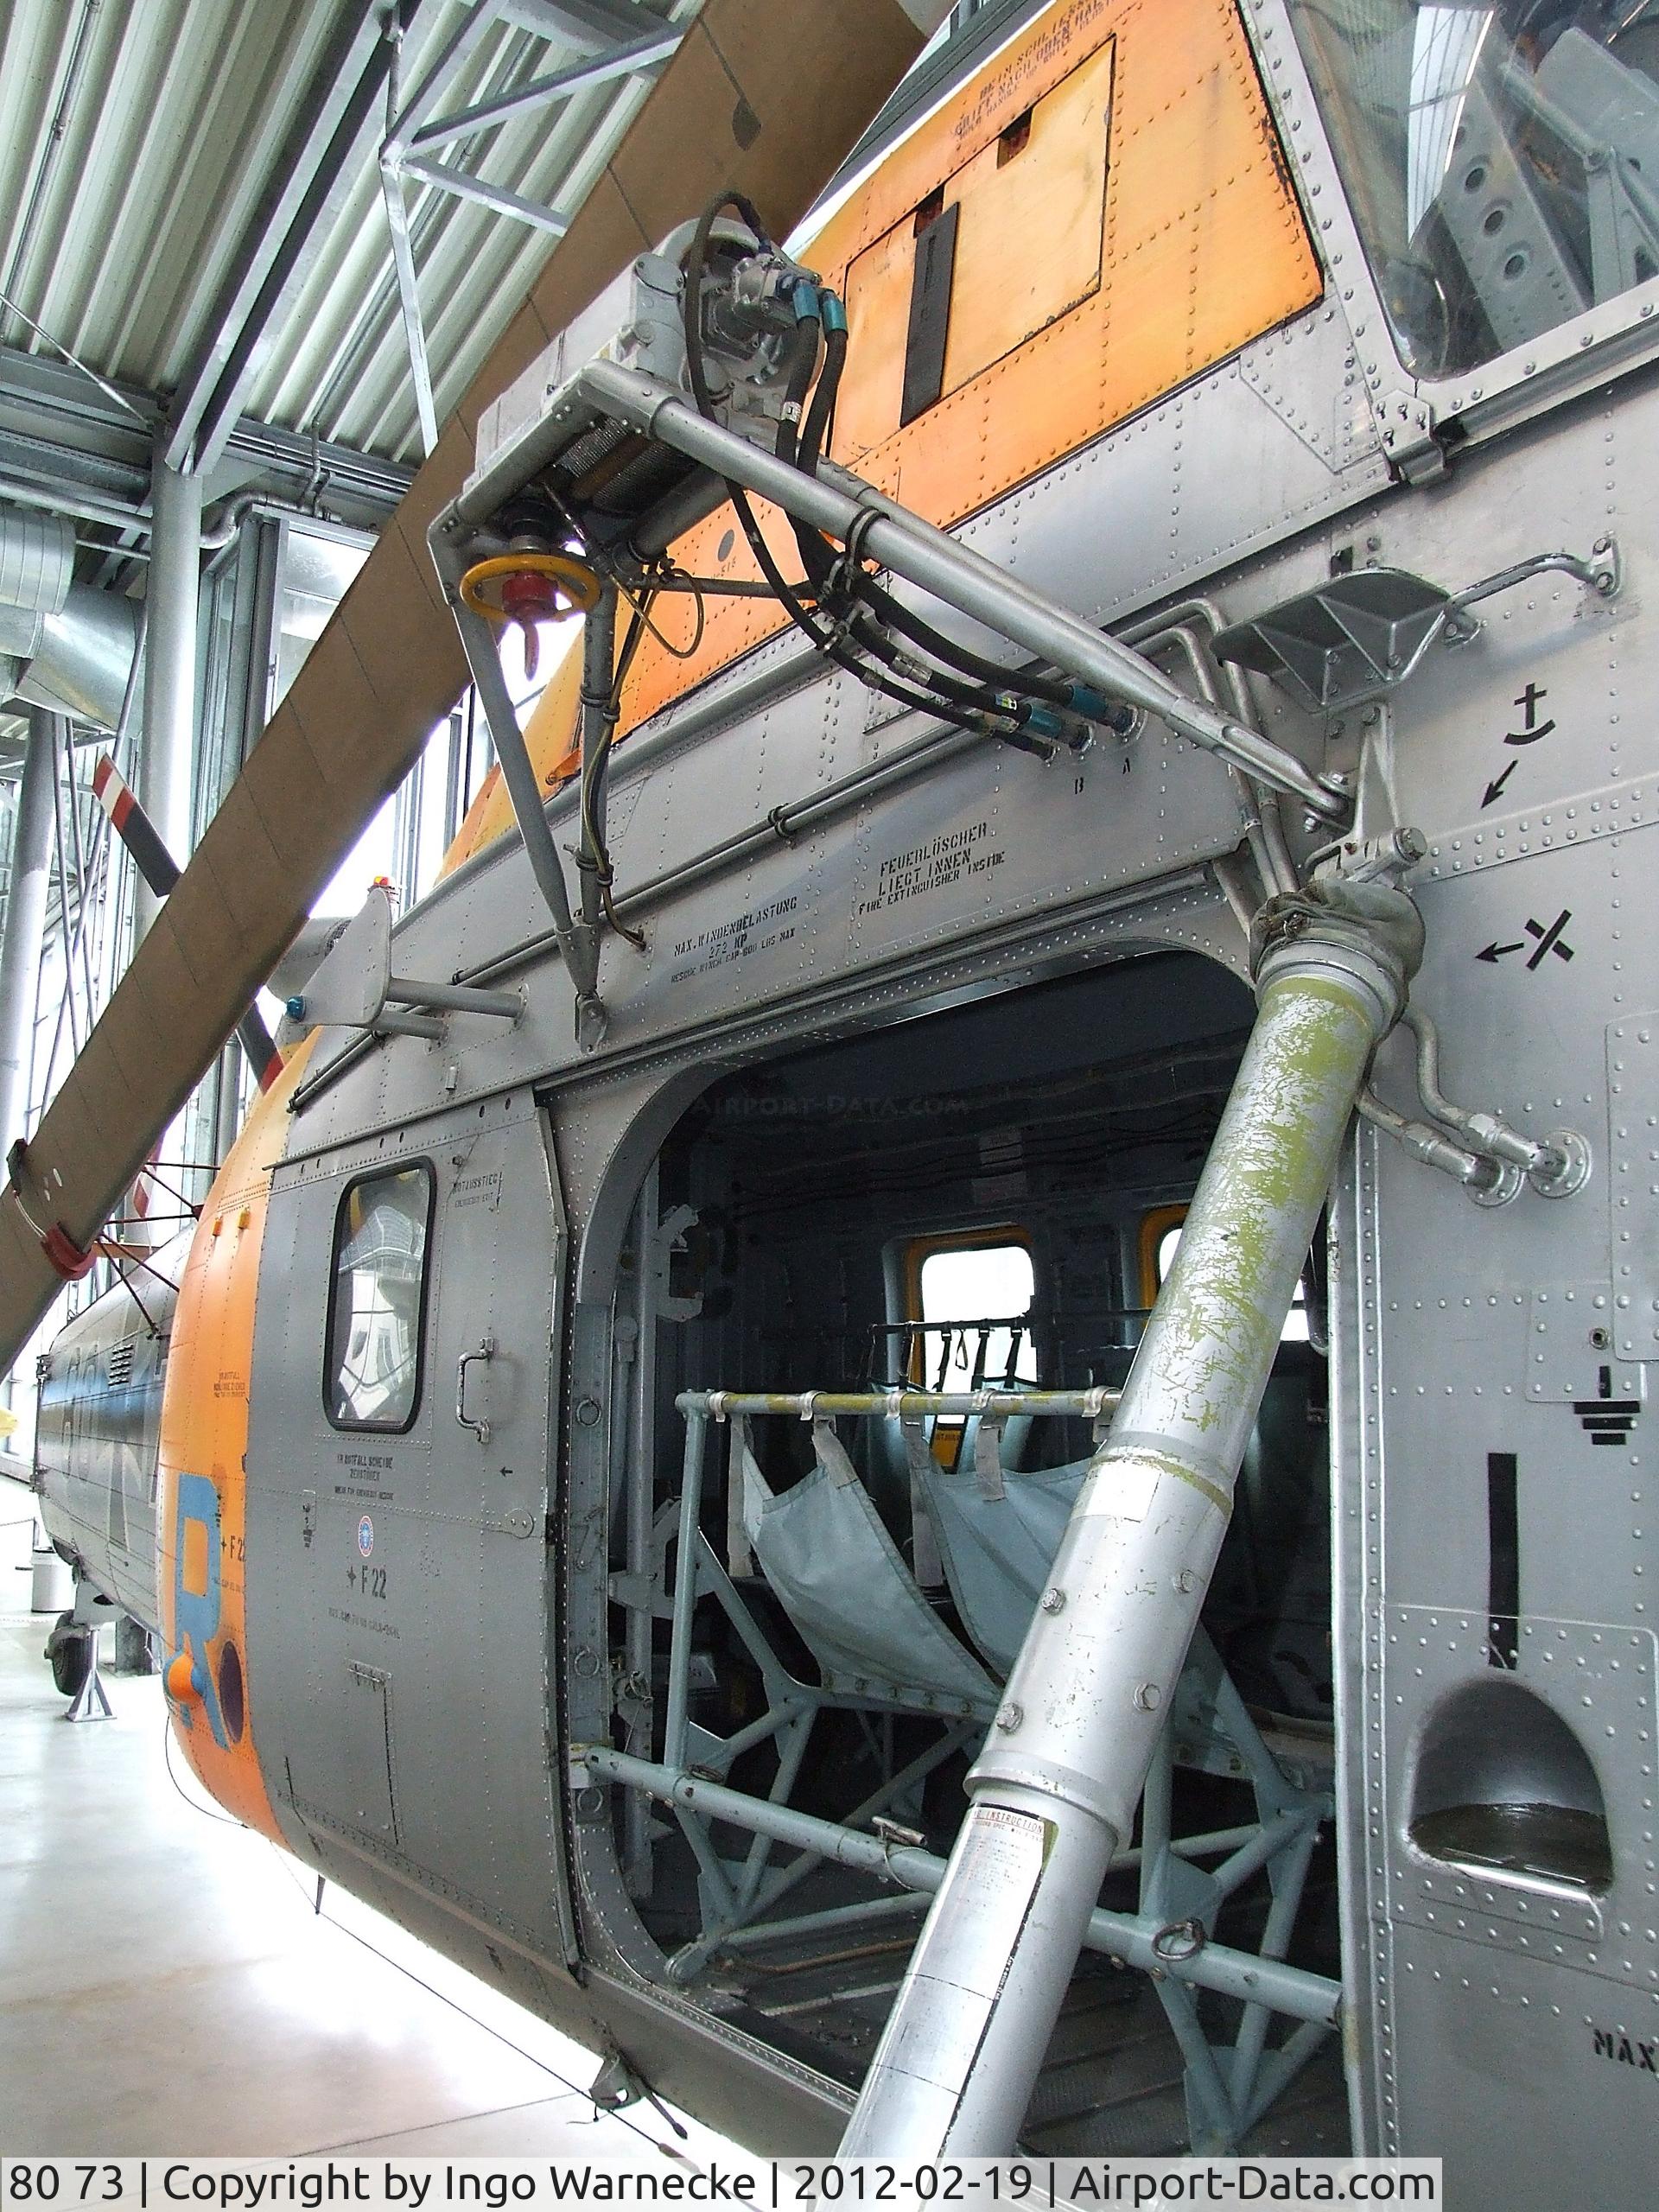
(972, 1293)
(1160, 1239)
(1500, 162)
(378, 1300)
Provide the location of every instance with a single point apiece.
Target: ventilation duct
(63, 646)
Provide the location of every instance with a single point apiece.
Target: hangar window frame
(382, 1172)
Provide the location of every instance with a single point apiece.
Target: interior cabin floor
(1112, 2083)
(166, 1985)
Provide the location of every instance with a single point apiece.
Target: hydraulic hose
(694, 265)
(802, 365)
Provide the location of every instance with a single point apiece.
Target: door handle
(486, 1352)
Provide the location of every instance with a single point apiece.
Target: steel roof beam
(323, 158)
(639, 57)
(409, 298)
(50, 465)
(467, 35)
(106, 452)
(606, 33)
(489, 196)
(41, 386)
(591, 25)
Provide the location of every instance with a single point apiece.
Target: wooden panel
(1203, 249)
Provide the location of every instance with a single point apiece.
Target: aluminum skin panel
(100, 1412)
(1482, 1348)
(1488, 2041)
(408, 1570)
(1127, 519)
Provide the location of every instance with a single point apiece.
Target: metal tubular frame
(840, 504)
(1055, 1789)
(318, 161)
(1313, 2000)
(1227, 2088)
(621, 44)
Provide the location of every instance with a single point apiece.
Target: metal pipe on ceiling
(81, 660)
(71, 648)
(165, 760)
(25, 921)
(53, 146)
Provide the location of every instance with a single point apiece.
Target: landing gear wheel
(72, 1659)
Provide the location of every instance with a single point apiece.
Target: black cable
(802, 366)
(593, 769)
(818, 562)
(816, 429)
(826, 642)
(693, 269)
(1052, 688)
(208, 1811)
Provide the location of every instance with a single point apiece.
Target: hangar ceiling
(192, 187)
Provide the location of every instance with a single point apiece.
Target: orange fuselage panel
(202, 1495)
(1124, 222)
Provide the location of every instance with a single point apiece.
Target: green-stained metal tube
(1056, 1787)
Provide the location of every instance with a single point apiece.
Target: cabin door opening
(820, 1593)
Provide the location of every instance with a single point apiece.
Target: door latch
(486, 1352)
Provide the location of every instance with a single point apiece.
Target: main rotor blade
(766, 96)
(161, 871)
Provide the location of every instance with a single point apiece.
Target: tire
(72, 1662)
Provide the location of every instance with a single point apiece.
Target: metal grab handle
(486, 1352)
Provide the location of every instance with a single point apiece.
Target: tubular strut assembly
(1055, 1788)
(1100, 679)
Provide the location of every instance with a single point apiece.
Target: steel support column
(1054, 1790)
(166, 757)
(25, 929)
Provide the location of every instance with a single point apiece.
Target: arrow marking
(1546, 938)
(1495, 789)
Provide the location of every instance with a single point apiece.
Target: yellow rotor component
(576, 582)
(535, 587)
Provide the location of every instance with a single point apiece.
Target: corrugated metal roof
(139, 137)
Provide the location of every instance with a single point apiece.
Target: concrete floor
(165, 1985)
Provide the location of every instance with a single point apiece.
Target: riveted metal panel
(418, 1561)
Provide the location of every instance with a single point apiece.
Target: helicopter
(928, 1409)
